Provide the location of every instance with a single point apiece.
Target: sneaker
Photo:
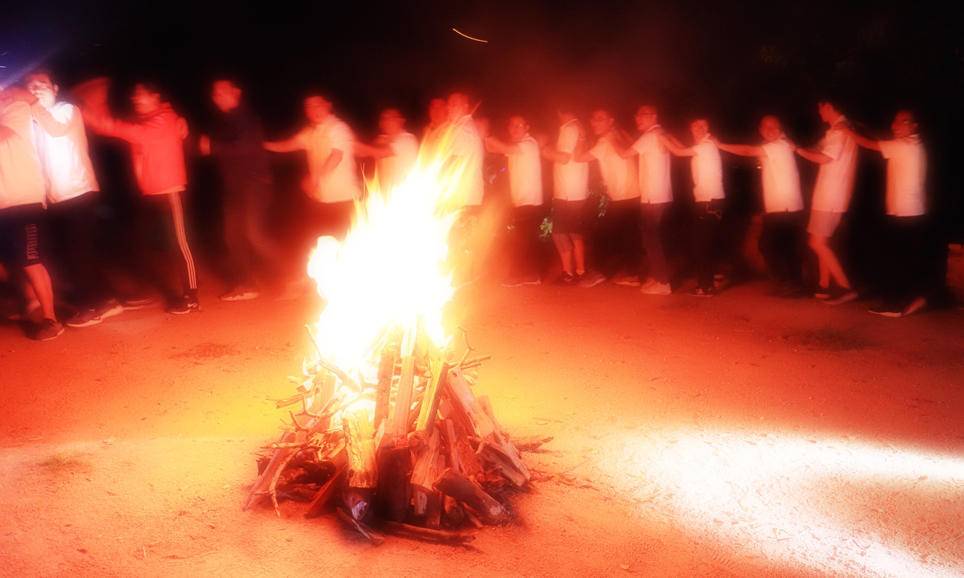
(184, 305)
(567, 279)
(109, 308)
(701, 292)
(513, 282)
(84, 318)
(240, 295)
(590, 279)
(822, 294)
(47, 329)
(626, 280)
(531, 281)
(845, 297)
(657, 288)
(135, 303)
(916, 305)
(886, 311)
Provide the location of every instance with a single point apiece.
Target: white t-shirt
(570, 180)
(618, 173)
(393, 169)
(65, 159)
(707, 171)
(835, 179)
(654, 167)
(906, 176)
(781, 180)
(467, 144)
(341, 184)
(525, 173)
(21, 178)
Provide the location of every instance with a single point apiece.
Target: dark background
(731, 61)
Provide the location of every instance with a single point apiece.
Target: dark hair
(42, 71)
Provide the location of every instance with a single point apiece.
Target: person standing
(837, 158)
(570, 193)
(332, 182)
(22, 195)
(72, 190)
(156, 137)
(234, 143)
(621, 222)
(656, 196)
(525, 190)
(911, 276)
(709, 196)
(438, 117)
(395, 150)
(782, 204)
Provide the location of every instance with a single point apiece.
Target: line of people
(46, 177)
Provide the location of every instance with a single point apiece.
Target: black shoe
(701, 292)
(184, 305)
(47, 329)
(135, 303)
(84, 318)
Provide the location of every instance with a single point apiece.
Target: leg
(235, 241)
(180, 235)
(564, 248)
(39, 282)
(653, 241)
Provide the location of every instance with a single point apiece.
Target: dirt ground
(742, 435)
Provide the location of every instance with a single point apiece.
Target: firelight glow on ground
(780, 496)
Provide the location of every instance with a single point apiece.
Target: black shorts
(568, 217)
(20, 234)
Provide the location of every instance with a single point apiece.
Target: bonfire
(385, 429)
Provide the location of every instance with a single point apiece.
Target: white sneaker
(657, 288)
(914, 306)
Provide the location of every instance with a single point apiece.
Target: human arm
(741, 150)
(813, 156)
(865, 142)
(290, 145)
(675, 146)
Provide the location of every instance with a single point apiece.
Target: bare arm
(813, 156)
(556, 156)
(6, 133)
(494, 145)
(374, 151)
(676, 147)
(741, 150)
(284, 146)
(332, 161)
(52, 126)
(865, 142)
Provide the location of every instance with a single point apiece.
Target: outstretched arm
(676, 147)
(494, 145)
(813, 156)
(285, 146)
(865, 142)
(741, 150)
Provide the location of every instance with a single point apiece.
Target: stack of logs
(417, 454)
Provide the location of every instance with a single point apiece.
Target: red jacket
(157, 148)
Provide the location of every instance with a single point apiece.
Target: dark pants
(162, 256)
(526, 248)
(77, 266)
(708, 217)
(781, 244)
(620, 238)
(652, 227)
(911, 266)
(250, 249)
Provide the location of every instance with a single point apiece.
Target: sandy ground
(738, 436)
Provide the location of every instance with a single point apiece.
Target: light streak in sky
(464, 35)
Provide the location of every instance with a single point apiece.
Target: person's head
(699, 128)
(829, 113)
(518, 128)
(646, 117)
(438, 111)
(225, 94)
(566, 112)
(770, 128)
(391, 121)
(601, 121)
(317, 108)
(146, 98)
(40, 83)
(904, 124)
(458, 105)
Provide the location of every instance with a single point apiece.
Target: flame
(392, 273)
